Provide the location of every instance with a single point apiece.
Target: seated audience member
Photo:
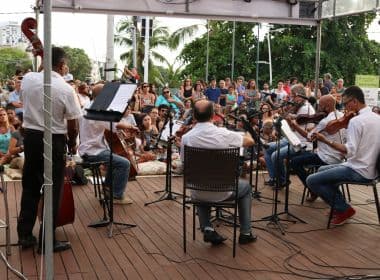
(206, 135)
(92, 148)
(148, 132)
(12, 118)
(16, 149)
(5, 136)
(376, 109)
(361, 150)
(172, 101)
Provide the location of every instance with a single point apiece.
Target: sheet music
(290, 135)
(122, 96)
(166, 132)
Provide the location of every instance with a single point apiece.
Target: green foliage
(79, 63)
(345, 52)
(220, 51)
(12, 59)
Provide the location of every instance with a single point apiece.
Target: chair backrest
(378, 166)
(211, 169)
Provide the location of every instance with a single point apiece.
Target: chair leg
(234, 237)
(95, 180)
(376, 201)
(343, 191)
(348, 193)
(303, 195)
(193, 222)
(184, 225)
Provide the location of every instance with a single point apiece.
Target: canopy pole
(318, 48)
(110, 61)
(146, 53)
(48, 182)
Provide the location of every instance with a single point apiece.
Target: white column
(110, 61)
(146, 52)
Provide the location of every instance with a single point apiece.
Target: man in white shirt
(361, 149)
(325, 154)
(93, 148)
(206, 135)
(65, 114)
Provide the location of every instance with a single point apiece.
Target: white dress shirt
(207, 135)
(326, 153)
(64, 104)
(363, 143)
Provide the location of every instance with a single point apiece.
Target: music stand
(167, 192)
(109, 106)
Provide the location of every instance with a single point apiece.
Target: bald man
(206, 135)
(325, 154)
(93, 148)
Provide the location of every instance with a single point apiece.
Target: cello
(66, 208)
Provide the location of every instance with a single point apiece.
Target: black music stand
(168, 194)
(109, 106)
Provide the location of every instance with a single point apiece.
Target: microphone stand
(167, 192)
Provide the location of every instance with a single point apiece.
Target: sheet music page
(290, 135)
(166, 132)
(122, 96)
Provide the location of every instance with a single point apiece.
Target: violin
(305, 118)
(335, 125)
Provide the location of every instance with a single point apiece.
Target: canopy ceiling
(273, 11)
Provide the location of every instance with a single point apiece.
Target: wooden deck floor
(153, 249)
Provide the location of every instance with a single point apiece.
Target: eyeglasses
(166, 91)
(145, 86)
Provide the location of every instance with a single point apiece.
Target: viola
(305, 118)
(28, 27)
(335, 125)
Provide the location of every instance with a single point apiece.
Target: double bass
(66, 209)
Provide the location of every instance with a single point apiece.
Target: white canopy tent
(307, 12)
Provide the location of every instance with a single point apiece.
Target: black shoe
(27, 241)
(270, 182)
(213, 237)
(247, 238)
(59, 246)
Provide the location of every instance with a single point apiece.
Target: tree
(79, 63)
(12, 59)
(123, 37)
(169, 75)
(220, 50)
(346, 51)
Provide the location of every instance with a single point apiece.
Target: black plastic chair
(211, 170)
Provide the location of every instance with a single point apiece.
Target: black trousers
(32, 178)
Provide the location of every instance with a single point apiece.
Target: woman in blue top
(167, 99)
(5, 136)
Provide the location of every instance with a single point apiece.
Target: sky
(88, 31)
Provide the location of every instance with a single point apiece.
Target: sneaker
(27, 241)
(123, 200)
(58, 246)
(247, 238)
(313, 197)
(341, 217)
(213, 237)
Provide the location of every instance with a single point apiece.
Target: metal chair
(211, 170)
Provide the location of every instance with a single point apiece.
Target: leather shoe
(213, 237)
(59, 246)
(270, 182)
(27, 241)
(247, 238)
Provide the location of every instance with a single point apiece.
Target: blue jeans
(326, 181)
(120, 168)
(299, 162)
(271, 165)
(244, 205)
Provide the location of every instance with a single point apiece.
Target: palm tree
(169, 75)
(123, 37)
